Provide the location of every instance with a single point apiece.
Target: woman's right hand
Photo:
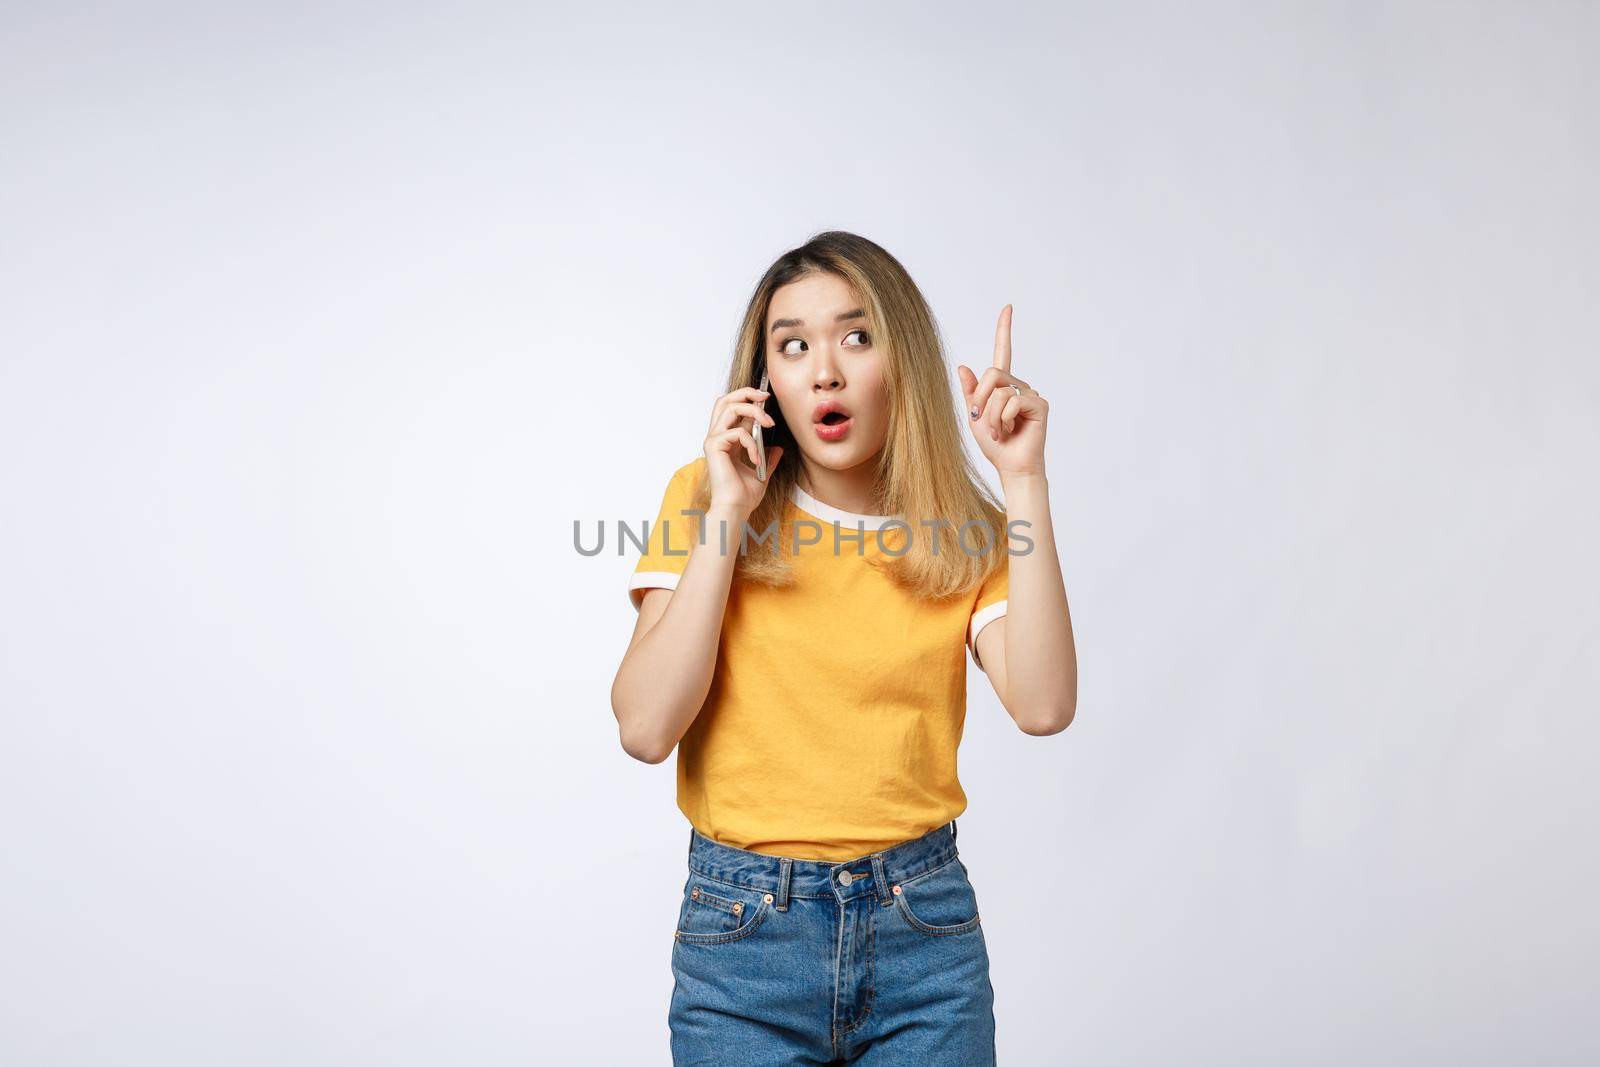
(734, 485)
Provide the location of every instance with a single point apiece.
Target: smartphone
(761, 448)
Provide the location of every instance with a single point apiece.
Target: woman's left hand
(1007, 416)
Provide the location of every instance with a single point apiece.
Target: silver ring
(1019, 391)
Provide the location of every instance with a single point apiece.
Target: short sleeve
(671, 536)
(990, 604)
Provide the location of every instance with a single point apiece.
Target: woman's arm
(666, 672)
(1033, 662)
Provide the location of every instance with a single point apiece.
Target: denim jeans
(877, 961)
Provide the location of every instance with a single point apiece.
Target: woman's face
(820, 349)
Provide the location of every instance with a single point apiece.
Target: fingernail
(974, 412)
(993, 436)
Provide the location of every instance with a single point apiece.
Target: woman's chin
(838, 456)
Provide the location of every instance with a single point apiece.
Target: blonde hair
(923, 470)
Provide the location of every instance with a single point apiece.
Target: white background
(323, 324)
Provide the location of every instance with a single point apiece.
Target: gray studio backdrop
(323, 324)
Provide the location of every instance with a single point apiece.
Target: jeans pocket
(714, 913)
(939, 903)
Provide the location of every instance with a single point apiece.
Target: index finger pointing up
(1002, 340)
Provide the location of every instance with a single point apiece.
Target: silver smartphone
(761, 448)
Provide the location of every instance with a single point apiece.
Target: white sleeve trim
(651, 580)
(980, 619)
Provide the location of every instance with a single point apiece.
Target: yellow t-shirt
(836, 707)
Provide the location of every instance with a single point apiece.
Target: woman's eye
(866, 339)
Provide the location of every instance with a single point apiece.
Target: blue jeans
(877, 961)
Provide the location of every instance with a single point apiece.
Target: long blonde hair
(923, 470)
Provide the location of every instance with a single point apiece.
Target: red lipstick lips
(831, 420)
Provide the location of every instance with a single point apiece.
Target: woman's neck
(847, 490)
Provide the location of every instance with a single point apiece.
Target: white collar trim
(847, 519)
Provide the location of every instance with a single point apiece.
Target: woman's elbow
(1048, 721)
(635, 742)
(638, 744)
(646, 753)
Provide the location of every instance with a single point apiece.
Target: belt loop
(782, 900)
(881, 877)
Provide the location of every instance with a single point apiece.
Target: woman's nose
(826, 374)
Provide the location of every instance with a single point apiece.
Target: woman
(802, 641)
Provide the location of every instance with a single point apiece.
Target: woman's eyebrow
(845, 316)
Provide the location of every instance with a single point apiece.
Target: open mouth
(830, 420)
(833, 426)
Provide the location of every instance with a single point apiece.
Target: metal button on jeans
(845, 878)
